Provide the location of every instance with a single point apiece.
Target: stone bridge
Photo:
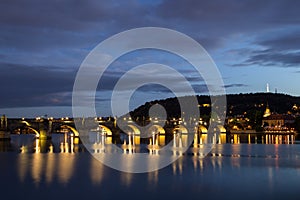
(44, 127)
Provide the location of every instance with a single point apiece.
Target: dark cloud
(235, 85)
(234, 15)
(285, 42)
(279, 51)
(109, 80)
(69, 15)
(274, 59)
(154, 88)
(23, 85)
(213, 23)
(36, 24)
(65, 22)
(63, 26)
(200, 88)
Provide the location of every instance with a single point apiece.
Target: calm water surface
(231, 171)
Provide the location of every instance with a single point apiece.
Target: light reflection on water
(260, 139)
(49, 167)
(67, 144)
(271, 170)
(96, 172)
(45, 167)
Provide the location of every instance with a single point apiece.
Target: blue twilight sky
(43, 43)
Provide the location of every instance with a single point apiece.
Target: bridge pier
(4, 133)
(43, 135)
(43, 129)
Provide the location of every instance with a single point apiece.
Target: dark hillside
(237, 104)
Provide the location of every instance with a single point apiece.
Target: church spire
(267, 111)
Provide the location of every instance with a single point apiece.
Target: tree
(255, 117)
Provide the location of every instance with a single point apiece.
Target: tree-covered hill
(237, 104)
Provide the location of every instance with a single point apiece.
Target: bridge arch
(106, 130)
(132, 128)
(36, 132)
(76, 133)
(202, 129)
(25, 122)
(157, 129)
(181, 129)
(221, 129)
(135, 129)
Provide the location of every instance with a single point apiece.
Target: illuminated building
(274, 122)
(267, 111)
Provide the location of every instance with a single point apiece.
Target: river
(229, 171)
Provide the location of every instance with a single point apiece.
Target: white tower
(268, 88)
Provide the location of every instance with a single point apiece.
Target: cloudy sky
(43, 43)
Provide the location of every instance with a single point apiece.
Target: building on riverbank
(274, 122)
(278, 122)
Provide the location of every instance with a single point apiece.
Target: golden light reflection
(50, 167)
(23, 149)
(198, 163)
(203, 139)
(137, 139)
(37, 167)
(195, 145)
(162, 140)
(184, 140)
(153, 177)
(44, 166)
(65, 166)
(270, 176)
(37, 146)
(195, 162)
(108, 140)
(22, 166)
(249, 139)
(219, 162)
(69, 145)
(51, 149)
(222, 138)
(177, 166)
(126, 178)
(201, 165)
(236, 139)
(96, 171)
(76, 140)
(174, 167)
(47, 165)
(253, 138)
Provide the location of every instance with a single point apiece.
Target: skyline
(43, 44)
